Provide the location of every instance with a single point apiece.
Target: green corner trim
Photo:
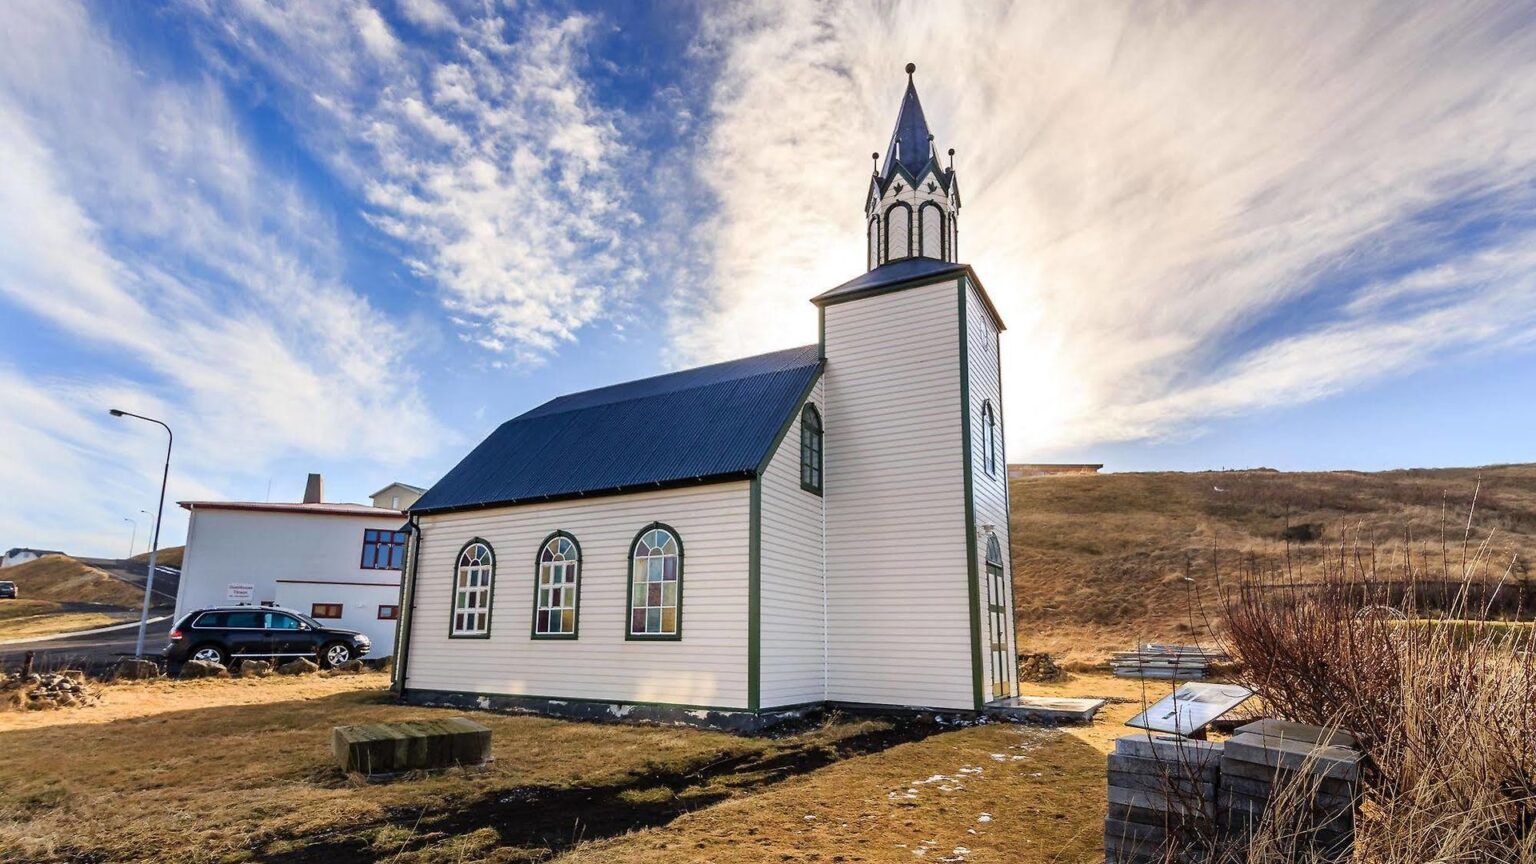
(490, 594)
(973, 589)
(407, 602)
(755, 599)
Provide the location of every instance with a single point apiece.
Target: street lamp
(132, 537)
(154, 544)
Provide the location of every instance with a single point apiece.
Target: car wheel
(211, 653)
(335, 654)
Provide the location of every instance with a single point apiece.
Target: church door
(997, 620)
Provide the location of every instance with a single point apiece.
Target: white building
(337, 563)
(22, 555)
(732, 544)
(396, 496)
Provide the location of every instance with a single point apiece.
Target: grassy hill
(167, 557)
(1100, 561)
(62, 579)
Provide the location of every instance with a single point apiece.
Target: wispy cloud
(1147, 189)
(134, 218)
(482, 152)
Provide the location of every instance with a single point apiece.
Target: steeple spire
(911, 142)
(913, 200)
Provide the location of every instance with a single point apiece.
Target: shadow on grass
(206, 753)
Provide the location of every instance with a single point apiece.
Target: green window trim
(676, 634)
(812, 450)
(574, 587)
(454, 631)
(989, 438)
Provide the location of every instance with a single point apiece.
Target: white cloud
(488, 158)
(1144, 187)
(134, 218)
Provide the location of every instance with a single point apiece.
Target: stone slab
(1169, 748)
(1045, 709)
(1277, 753)
(1287, 730)
(1205, 771)
(417, 745)
(1157, 802)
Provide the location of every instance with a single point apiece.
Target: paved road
(92, 652)
(166, 578)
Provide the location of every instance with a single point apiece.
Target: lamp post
(154, 544)
(133, 537)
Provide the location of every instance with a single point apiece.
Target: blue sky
(352, 236)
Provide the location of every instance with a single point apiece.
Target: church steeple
(913, 201)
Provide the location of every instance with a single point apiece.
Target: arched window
(558, 588)
(989, 439)
(874, 242)
(994, 550)
(898, 231)
(474, 578)
(810, 449)
(655, 584)
(930, 220)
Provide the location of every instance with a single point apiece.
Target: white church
(742, 542)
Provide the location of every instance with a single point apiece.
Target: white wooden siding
(899, 625)
(792, 578)
(707, 667)
(990, 493)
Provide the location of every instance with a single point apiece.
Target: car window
(244, 619)
(278, 621)
(211, 619)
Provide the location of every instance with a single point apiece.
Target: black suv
(8, 590)
(227, 633)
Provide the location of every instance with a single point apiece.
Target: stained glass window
(656, 584)
(472, 590)
(810, 449)
(554, 609)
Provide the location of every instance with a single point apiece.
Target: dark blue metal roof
(707, 423)
(905, 273)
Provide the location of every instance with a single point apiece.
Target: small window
(988, 440)
(383, 550)
(325, 610)
(557, 588)
(810, 449)
(656, 584)
(276, 621)
(210, 619)
(389, 612)
(394, 503)
(474, 577)
(245, 620)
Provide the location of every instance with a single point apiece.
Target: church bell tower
(913, 201)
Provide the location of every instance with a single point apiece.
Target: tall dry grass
(1443, 702)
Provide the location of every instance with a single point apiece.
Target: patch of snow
(985, 817)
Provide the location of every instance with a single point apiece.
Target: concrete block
(1277, 753)
(1287, 730)
(385, 748)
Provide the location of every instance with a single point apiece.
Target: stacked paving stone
(1160, 787)
(1166, 791)
(1312, 774)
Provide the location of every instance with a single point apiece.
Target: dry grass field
(1100, 561)
(62, 579)
(240, 770)
(170, 556)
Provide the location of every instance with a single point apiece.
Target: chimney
(313, 489)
